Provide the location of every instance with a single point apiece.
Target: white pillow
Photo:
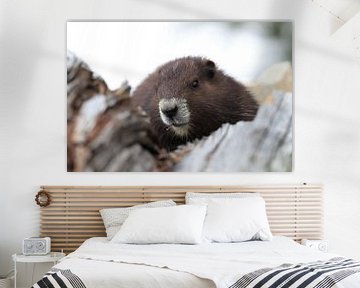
(113, 218)
(236, 220)
(180, 224)
(204, 198)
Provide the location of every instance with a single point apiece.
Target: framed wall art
(199, 96)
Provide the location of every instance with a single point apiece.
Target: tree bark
(104, 132)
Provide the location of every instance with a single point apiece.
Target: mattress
(99, 263)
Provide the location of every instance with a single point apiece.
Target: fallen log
(104, 132)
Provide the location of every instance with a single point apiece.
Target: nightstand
(53, 257)
(320, 245)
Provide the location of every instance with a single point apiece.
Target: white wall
(33, 97)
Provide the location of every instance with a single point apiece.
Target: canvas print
(179, 96)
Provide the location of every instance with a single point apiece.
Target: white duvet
(100, 263)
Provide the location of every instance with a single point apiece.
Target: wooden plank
(299, 186)
(294, 210)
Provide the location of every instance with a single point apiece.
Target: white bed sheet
(100, 263)
(111, 274)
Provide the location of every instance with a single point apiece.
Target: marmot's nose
(170, 112)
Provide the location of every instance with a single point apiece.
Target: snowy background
(131, 50)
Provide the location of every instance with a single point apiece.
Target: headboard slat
(73, 216)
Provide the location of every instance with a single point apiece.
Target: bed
(98, 263)
(294, 210)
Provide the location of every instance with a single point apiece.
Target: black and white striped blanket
(320, 274)
(59, 278)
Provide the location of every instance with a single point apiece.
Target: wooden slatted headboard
(73, 215)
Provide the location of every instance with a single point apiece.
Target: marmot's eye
(195, 83)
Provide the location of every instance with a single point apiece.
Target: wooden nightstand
(53, 257)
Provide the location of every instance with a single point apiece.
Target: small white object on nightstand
(53, 257)
(36, 246)
(320, 245)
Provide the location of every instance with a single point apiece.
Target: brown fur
(218, 99)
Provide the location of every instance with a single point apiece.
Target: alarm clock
(36, 246)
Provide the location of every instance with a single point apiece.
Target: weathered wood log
(106, 134)
(259, 146)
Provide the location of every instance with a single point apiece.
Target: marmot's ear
(210, 69)
(210, 64)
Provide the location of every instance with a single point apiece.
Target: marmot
(188, 98)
